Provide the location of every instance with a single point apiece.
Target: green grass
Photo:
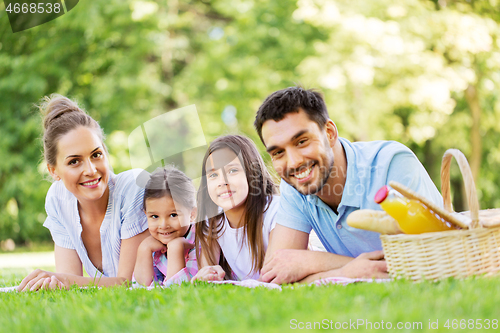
(31, 247)
(225, 308)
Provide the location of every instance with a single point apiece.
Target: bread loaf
(488, 218)
(374, 220)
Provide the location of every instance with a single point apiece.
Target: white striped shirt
(124, 219)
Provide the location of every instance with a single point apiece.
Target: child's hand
(153, 245)
(180, 242)
(209, 273)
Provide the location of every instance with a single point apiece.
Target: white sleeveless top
(237, 252)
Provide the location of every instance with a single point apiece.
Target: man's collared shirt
(370, 165)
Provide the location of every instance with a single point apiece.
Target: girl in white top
(95, 217)
(236, 206)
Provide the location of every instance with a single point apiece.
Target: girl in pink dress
(168, 256)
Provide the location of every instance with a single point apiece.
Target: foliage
(125, 63)
(408, 72)
(423, 72)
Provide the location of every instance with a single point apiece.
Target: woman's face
(227, 183)
(82, 165)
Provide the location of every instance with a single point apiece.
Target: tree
(422, 72)
(97, 53)
(406, 71)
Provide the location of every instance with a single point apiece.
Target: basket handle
(470, 187)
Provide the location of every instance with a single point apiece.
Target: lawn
(226, 308)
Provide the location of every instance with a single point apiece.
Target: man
(325, 178)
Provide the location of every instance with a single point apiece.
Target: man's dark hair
(292, 99)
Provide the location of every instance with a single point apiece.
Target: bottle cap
(381, 194)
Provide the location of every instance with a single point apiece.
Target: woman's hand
(39, 279)
(53, 283)
(209, 273)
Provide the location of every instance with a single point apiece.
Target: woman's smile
(82, 165)
(92, 183)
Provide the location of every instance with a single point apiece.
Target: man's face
(301, 152)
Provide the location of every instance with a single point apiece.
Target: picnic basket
(456, 253)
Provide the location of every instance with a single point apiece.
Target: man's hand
(366, 265)
(285, 266)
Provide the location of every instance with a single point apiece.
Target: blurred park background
(422, 72)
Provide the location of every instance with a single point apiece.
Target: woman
(95, 217)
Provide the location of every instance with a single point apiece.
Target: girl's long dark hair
(260, 190)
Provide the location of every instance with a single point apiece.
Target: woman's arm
(67, 261)
(128, 254)
(69, 269)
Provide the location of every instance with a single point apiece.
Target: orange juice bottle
(413, 216)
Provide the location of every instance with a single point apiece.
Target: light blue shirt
(124, 219)
(370, 165)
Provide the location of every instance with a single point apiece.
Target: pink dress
(160, 262)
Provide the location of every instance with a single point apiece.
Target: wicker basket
(439, 255)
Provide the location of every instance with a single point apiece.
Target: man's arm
(366, 265)
(288, 260)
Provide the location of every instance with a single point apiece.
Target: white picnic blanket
(255, 283)
(8, 289)
(345, 281)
